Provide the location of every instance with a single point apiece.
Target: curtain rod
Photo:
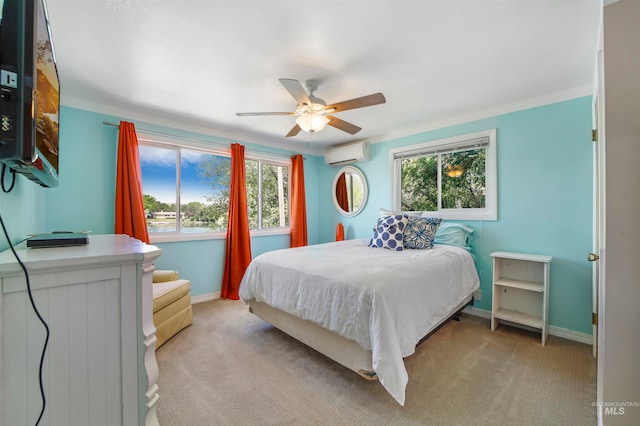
(184, 138)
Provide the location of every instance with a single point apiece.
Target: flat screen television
(29, 92)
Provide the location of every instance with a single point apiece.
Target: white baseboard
(205, 297)
(477, 312)
(565, 333)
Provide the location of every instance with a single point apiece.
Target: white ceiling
(194, 64)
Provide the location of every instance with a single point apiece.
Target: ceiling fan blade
(345, 126)
(297, 91)
(246, 114)
(296, 129)
(365, 101)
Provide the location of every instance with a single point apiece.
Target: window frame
(275, 159)
(442, 146)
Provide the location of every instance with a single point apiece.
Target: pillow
(164, 275)
(389, 232)
(454, 234)
(420, 232)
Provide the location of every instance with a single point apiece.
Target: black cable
(35, 309)
(13, 182)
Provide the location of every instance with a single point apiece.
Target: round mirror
(349, 191)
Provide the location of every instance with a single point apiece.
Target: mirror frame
(365, 190)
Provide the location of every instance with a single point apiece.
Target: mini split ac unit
(348, 154)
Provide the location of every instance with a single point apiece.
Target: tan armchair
(171, 304)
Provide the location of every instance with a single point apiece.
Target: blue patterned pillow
(420, 232)
(388, 232)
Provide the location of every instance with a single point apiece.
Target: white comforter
(384, 300)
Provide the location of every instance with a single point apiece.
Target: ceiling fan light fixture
(312, 122)
(313, 114)
(312, 108)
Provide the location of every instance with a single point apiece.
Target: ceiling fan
(313, 113)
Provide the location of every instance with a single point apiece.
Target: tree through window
(452, 178)
(186, 191)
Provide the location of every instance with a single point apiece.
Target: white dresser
(100, 366)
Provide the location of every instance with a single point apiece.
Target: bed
(365, 308)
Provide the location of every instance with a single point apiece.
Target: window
(452, 178)
(186, 191)
(267, 194)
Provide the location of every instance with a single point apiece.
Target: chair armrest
(161, 275)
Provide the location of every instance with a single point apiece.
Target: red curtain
(298, 219)
(238, 253)
(130, 216)
(341, 193)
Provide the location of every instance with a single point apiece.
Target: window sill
(273, 231)
(172, 237)
(484, 215)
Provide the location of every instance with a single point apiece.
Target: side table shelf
(521, 290)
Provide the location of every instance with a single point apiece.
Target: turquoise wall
(544, 190)
(84, 199)
(23, 210)
(545, 199)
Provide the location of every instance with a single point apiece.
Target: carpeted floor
(232, 368)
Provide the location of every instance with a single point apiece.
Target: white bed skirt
(340, 349)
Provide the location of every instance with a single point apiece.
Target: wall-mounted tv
(29, 92)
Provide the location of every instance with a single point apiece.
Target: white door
(619, 125)
(598, 214)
